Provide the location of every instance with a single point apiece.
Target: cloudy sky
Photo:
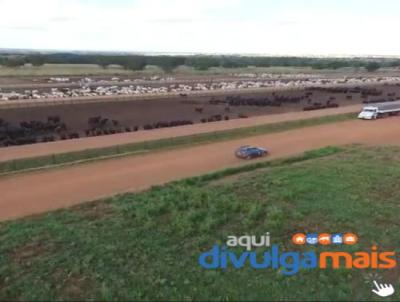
(283, 27)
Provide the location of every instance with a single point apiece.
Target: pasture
(63, 70)
(96, 70)
(145, 246)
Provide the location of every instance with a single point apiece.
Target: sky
(271, 27)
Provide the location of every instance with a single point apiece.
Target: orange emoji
(324, 239)
(350, 238)
(299, 239)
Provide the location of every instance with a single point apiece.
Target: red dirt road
(34, 150)
(41, 191)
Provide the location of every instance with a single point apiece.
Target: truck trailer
(374, 111)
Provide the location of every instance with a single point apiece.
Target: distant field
(62, 69)
(92, 69)
(146, 246)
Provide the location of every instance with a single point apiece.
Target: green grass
(162, 144)
(70, 70)
(92, 69)
(145, 246)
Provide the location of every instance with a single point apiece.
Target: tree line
(198, 62)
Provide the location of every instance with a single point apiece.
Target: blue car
(249, 152)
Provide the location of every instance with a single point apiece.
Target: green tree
(136, 63)
(372, 66)
(14, 62)
(102, 61)
(36, 60)
(202, 62)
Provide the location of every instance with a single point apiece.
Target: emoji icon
(337, 238)
(312, 239)
(299, 238)
(350, 238)
(383, 290)
(324, 239)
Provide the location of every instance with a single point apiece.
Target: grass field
(162, 144)
(92, 69)
(71, 69)
(146, 246)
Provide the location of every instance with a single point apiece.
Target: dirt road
(42, 191)
(57, 147)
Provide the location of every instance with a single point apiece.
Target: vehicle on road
(378, 110)
(249, 152)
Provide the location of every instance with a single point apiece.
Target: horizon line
(172, 53)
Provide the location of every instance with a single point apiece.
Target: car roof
(248, 147)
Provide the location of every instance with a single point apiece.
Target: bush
(14, 62)
(36, 60)
(372, 66)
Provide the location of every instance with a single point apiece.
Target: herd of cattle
(276, 101)
(86, 80)
(368, 95)
(86, 90)
(261, 101)
(28, 132)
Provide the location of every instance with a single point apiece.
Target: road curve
(42, 149)
(41, 191)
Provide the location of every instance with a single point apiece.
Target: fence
(70, 157)
(102, 153)
(100, 99)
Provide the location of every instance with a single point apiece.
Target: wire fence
(63, 158)
(101, 153)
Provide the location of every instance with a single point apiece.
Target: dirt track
(42, 191)
(57, 147)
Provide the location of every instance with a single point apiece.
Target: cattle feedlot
(70, 153)
(221, 164)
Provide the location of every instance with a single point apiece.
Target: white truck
(374, 111)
